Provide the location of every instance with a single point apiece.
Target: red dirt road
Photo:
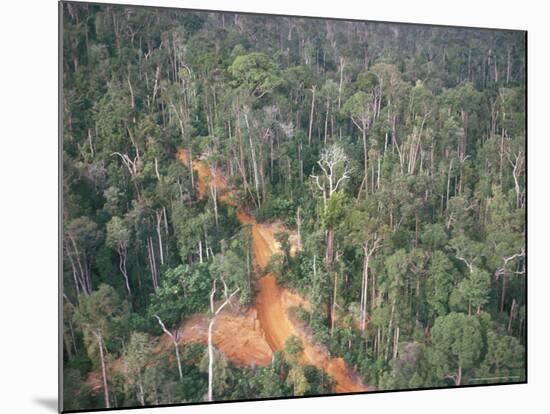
(272, 301)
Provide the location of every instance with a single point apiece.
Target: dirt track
(250, 337)
(272, 302)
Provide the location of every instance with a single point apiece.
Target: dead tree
(335, 166)
(504, 270)
(214, 312)
(369, 248)
(99, 338)
(174, 342)
(517, 160)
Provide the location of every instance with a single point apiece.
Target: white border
(28, 208)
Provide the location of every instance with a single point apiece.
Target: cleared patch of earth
(273, 303)
(250, 337)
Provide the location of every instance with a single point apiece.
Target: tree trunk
(152, 264)
(214, 194)
(103, 370)
(503, 292)
(364, 288)
(396, 342)
(329, 251)
(449, 183)
(365, 155)
(512, 315)
(122, 253)
(326, 120)
(214, 312)
(311, 114)
(174, 342)
(333, 312)
(210, 358)
(159, 236)
(254, 163)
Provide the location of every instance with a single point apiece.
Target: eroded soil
(272, 304)
(250, 337)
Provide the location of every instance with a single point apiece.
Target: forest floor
(273, 302)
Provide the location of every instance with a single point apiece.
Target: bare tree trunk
(449, 183)
(91, 142)
(390, 325)
(517, 165)
(364, 288)
(512, 315)
(99, 339)
(503, 292)
(157, 174)
(342, 64)
(254, 163)
(326, 120)
(333, 312)
(508, 68)
(241, 164)
(214, 194)
(366, 159)
(122, 254)
(159, 236)
(298, 226)
(152, 263)
(141, 393)
(210, 359)
(378, 176)
(174, 342)
(311, 114)
(329, 252)
(215, 313)
(395, 342)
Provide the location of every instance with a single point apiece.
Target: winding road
(272, 301)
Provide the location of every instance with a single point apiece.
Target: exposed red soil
(238, 336)
(250, 337)
(272, 302)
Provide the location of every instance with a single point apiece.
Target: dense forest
(346, 199)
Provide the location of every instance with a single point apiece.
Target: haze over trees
(395, 153)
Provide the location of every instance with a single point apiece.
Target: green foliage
(298, 381)
(276, 208)
(505, 359)
(140, 374)
(475, 287)
(441, 282)
(335, 211)
(359, 106)
(256, 73)
(294, 347)
(457, 345)
(184, 290)
(234, 266)
(101, 315)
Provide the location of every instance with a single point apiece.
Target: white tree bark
(215, 313)
(99, 339)
(311, 114)
(174, 342)
(332, 158)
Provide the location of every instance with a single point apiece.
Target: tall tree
(96, 314)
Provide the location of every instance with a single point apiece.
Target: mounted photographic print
(259, 206)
